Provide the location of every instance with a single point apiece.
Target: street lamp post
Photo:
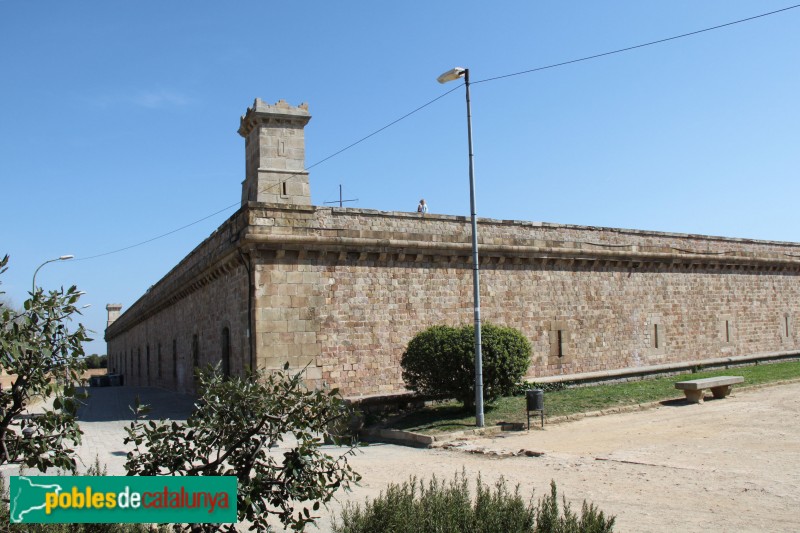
(452, 75)
(61, 258)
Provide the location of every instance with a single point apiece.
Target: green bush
(439, 362)
(449, 508)
(234, 431)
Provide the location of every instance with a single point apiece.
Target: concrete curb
(636, 373)
(422, 440)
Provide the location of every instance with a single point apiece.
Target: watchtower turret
(275, 150)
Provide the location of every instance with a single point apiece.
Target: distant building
(343, 290)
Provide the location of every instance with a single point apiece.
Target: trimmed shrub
(436, 365)
(439, 362)
(508, 354)
(449, 508)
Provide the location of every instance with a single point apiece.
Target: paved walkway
(109, 410)
(107, 404)
(104, 417)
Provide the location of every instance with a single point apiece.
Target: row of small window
(657, 337)
(129, 367)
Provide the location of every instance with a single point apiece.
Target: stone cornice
(564, 250)
(177, 289)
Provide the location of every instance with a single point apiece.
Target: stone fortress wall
(618, 298)
(341, 291)
(344, 290)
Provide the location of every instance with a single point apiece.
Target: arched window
(226, 352)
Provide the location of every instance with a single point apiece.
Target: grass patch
(450, 416)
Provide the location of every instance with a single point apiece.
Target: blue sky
(118, 120)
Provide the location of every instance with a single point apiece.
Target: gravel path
(724, 465)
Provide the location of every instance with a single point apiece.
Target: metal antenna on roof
(340, 201)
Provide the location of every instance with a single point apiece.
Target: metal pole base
(541, 414)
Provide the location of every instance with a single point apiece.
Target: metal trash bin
(534, 401)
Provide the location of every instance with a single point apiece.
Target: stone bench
(720, 387)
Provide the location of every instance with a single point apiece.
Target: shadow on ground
(107, 404)
(683, 402)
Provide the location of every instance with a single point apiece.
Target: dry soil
(723, 465)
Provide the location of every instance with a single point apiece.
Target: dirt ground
(723, 465)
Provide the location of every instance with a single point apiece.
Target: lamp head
(452, 74)
(65, 257)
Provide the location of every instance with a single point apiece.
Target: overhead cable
(629, 48)
(423, 106)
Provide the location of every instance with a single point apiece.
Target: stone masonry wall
(342, 291)
(370, 310)
(288, 299)
(204, 313)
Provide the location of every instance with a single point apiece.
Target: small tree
(38, 349)
(439, 362)
(95, 361)
(236, 424)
